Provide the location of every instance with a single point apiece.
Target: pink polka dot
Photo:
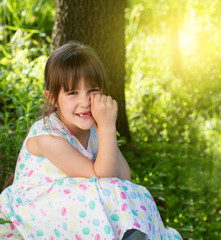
(137, 224)
(119, 232)
(43, 212)
(78, 237)
(143, 207)
(32, 205)
(63, 211)
(12, 226)
(124, 207)
(16, 222)
(9, 235)
(83, 187)
(48, 179)
(114, 181)
(97, 237)
(67, 191)
(123, 195)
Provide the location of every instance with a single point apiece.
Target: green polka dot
(92, 179)
(18, 200)
(82, 214)
(40, 233)
(10, 215)
(140, 196)
(22, 166)
(115, 217)
(57, 233)
(107, 229)
(60, 182)
(72, 141)
(134, 212)
(125, 188)
(86, 231)
(91, 205)
(32, 218)
(34, 132)
(147, 195)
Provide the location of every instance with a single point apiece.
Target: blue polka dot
(96, 222)
(40, 159)
(133, 195)
(19, 218)
(27, 156)
(106, 192)
(80, 198)
(72, 181)
(64, 225)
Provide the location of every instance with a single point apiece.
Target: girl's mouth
(84, 115)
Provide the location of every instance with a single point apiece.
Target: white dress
(43, 203)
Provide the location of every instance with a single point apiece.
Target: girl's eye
(94, 90)
(72, 93)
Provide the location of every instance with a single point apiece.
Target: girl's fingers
(109, 99)
(96, 98)
(104, 98)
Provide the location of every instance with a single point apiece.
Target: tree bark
(99, 24)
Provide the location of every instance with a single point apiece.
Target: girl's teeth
(81, 115)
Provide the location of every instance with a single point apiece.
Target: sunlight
(187, 41)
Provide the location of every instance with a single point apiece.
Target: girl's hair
(66, 66)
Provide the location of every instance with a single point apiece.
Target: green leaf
(3, 221)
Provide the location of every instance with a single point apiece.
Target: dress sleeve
(50, 126)
(93, 142)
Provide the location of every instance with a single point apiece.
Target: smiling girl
(71, 179)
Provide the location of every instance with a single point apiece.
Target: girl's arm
(109, 162)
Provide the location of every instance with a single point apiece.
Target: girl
(71, 180)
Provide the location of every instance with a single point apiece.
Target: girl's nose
(85, 101)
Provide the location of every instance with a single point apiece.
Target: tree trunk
(99, 24)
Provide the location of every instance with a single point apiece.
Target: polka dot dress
(43, 203)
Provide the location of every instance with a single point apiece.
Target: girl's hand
(104, 111)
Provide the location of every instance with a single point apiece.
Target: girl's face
(74, 107)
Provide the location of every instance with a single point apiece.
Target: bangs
(79, 67)
(67, 66)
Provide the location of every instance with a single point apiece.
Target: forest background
(173, 100)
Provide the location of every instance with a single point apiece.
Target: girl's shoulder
(50, 125)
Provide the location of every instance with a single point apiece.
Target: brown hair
(66, 66)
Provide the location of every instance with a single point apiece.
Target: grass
(174, 121)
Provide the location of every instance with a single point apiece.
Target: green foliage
(172, 92)
(23, 56)
(173, 104)
(2, 221)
